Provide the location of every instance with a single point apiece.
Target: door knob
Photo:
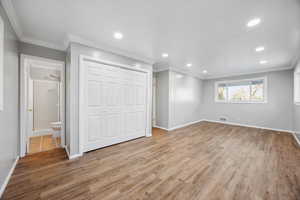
(29, 110)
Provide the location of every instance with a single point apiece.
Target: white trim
(73, 156)
(297, 87)
(2, 30)
(43, 43)
(179, 126)
(185, 72)
(160, 127)
(228, 123)
(25, 61)
(13, 19)
(250, 126)
(82, 90)
(232, 75)
(265, 94)
(161, 70)
(296, 138)
(184, 125)
(3, 186)
(107, 48)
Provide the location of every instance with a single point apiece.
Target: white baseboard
(296, 138)
(70, 157)
(3, 186)
(250, 126)
(184, 125)
(160, 127)
(179, 126)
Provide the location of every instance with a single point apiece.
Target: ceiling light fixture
(118, 35)
(263, 62)
(204, 71)
(165, 55)
(179, 76)
(189, 64)
(253, 22)
(259, 49)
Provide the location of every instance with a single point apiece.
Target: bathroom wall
(46, 104)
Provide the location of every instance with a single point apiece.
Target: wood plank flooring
(206, 161)
(43, 143)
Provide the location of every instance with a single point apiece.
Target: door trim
(82, 111)
(26, 61)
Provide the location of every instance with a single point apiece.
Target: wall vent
(223, 119)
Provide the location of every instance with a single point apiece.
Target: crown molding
(12, 17)
(190, 73)
(248, 73)
(104, 47)
(43, 43)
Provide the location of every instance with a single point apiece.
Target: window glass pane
(239, 93)
(257, 92)
(222, 93)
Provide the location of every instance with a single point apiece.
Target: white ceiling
(210, 34)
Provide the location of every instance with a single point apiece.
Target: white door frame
(82, 112)
(26, 62)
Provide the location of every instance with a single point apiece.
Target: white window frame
(1, 64)
(265, 91)
(297, 87)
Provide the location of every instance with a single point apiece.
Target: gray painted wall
(185, 99)
(162, 99)
(68, 99)
(9, 117)
(73, 84)
(277, 113)
(34, 50)
(178, 99)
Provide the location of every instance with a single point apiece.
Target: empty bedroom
(132, 100)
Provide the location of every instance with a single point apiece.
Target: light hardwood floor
(206, 161)
(43, 143)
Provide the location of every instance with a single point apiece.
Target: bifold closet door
(114, 105)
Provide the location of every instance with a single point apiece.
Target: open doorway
(42, 104)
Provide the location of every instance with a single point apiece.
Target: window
(297, 86)
(1, 64)
(242, 91)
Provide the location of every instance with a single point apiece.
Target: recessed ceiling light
(179, 76)
(204, 72)
(259, 49)
(263, 62)
(118, 35)
(253, 22)
(189, 64)
(165, 55)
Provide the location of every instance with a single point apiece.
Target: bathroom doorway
(42, 104)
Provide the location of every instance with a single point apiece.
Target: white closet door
(114, 105)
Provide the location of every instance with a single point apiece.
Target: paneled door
(114, 105)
